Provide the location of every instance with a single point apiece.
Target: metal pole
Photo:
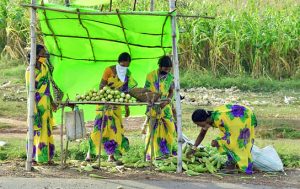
(31, 93)
(152, 5)
(177, 87)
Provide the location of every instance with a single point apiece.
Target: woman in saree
(43, 143)
(236, 124)
(161, 81)
(114, 143)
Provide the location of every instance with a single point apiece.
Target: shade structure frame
(79, 14)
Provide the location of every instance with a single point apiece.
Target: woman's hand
(143, 131)
(54, 107)
(164, 103)
(214, 143)
(190, 153)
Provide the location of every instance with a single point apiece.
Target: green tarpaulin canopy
(82, 44)
(89, 2)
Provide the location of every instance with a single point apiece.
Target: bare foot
(34, 163)
(111, 158)
(88, 157)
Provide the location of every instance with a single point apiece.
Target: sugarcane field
(149, 94)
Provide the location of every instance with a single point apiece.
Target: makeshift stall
(82, 42)
(151, 104)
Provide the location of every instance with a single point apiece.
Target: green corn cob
(192, 173)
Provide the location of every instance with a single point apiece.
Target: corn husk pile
(214, 97)
(203, 96)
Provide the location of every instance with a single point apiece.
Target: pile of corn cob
(204, 160)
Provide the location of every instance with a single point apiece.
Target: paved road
(56, 183)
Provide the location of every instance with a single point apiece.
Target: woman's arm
(169, 98)
(200, 137)
(197, 142)
(105, 76)
(103, 83)
(171, 92)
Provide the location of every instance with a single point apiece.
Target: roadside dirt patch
(16, 169)
(18, 126)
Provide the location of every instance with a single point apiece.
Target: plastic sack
(75, 127)
(266, 159)
(189, 142)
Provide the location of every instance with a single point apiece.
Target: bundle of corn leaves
(205, 160)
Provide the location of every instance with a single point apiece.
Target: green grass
(287, 144)
(286, 148)
(5, 126)
(196, 78)
(13, 72)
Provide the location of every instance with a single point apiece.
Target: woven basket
(144, 95)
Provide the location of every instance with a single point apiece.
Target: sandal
(51, 162)
(230, 169)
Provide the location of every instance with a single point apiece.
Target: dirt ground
(291, 178)
(20, 126)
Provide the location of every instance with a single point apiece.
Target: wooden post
(134, 5)
(31, 94)
(101, 135)
(152, 5)
(67, 3)
(152, 125)
(66, 152)
(177, 87)
(110, 5)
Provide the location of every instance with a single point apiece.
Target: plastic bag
(266, 159)
(75, 127)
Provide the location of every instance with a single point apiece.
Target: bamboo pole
(151, 129)
(94, 13)
(31, 93)
(113, 13)
(62, 137)
(88, 34)
(151, 5)
(67, 103)
(177, 87)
